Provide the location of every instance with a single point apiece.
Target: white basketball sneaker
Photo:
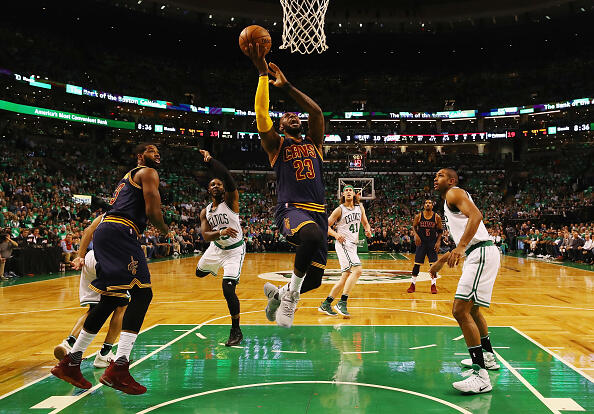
(478, 381)
(62, 350)
(270, 290)
(103, 361)
(490, 361)
(286, 313)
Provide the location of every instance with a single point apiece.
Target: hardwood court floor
(552, 304)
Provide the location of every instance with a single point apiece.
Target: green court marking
(340, 370)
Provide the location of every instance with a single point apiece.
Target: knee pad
(136, 311)
(313, 279)
(99, 313)
(200, 273)
(415, 271)
(310, 239)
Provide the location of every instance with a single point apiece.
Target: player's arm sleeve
(219, 170)
(261, 104)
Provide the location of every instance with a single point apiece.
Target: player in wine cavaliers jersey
(121, 268)
(300, 213)
(427, 227)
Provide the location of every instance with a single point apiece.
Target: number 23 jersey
(298, 167)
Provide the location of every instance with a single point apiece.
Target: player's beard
(149, 162)
(294, 132)
(219, 198)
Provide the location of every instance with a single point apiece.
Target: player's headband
(348, 186)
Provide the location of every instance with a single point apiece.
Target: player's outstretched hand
(455, 256)
(206, 155)
(256, 54)
(229, 232)
(280, 80)
(78, 263)
(436, 267)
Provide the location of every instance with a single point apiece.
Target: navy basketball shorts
(426, 249)
(290, 219)
(121, 264)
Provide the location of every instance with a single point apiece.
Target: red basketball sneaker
(68, 371)
(118, 377)
(411, 288)
(434, 289)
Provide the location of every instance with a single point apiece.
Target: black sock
(344, 298)
(121, 360)
(476, 353)
(486, 343)
(329, 300)
(106, 348)
(71, 340)
(235, 322)
(76, 357)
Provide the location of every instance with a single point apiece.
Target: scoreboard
(356, 162)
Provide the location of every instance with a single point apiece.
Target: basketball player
(86, 264)
(300, 212)
(465, 223)
(427, 228)
(348, 218)
(220, 226)
(121, 266)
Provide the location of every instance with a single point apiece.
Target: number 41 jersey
(349, 223)
(298, 167)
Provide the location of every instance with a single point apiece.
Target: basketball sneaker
(102, 361)
(326, 308)
(286, 313)
(118, 377)
(62, 350)
(478, 381)
(490, 361)
(341, 307)
(68, 371)
(411, 288)
(270, 290)
(235, 337)
(434, 289)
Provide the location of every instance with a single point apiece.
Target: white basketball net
(303, 25)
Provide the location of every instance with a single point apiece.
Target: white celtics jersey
(221, 218)
(349, 223)
(456, 223)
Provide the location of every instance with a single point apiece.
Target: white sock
(127, 340)
(433, 280)
(414, 279)
(296, 283)
(82, 342)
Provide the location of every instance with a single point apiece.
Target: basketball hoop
(303, 25)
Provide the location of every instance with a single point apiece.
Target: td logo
(368, 276)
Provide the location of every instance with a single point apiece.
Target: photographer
(6, 246)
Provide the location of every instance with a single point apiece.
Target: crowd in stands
(38, 180)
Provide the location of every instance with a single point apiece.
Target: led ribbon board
(64, 116)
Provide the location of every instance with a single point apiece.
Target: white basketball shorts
(87, 275)
(347, 255)
(478, 275)
(230, 260)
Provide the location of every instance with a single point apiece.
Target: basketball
(254, 34)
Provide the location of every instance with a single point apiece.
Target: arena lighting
(503, 116)
(542, 113)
